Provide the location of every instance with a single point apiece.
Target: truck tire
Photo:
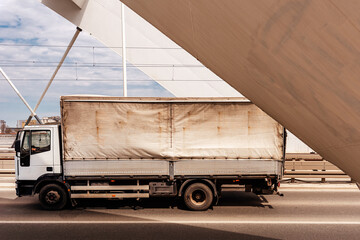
(198, 197)
(53, 197)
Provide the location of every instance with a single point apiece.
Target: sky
(33, 39)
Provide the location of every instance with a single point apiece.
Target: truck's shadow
(239, 198)
(229, 198)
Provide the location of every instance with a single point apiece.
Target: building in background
(2, 126)
(53, 119)
(5, 129)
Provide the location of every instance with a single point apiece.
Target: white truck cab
(39, 153)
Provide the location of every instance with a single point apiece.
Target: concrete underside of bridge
(298, 60)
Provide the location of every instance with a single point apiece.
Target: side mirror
(17, 146)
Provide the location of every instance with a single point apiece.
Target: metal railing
(305, 166)
(7, 165)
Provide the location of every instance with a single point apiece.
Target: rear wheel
(53, 197)
(198, 197)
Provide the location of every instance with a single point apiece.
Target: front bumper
(24, 188)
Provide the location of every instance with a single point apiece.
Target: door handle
(49, 169)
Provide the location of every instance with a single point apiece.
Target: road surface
(299, 214)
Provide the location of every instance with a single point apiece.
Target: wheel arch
(49, 179)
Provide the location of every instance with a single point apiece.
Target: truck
(127, 147)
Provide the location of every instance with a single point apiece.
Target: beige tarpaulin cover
(111, 128)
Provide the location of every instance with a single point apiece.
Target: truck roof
(91, 98)
(43, 125)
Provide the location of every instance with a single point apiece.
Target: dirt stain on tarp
(97, 121)
(219, 123)
(249, 125)
(160, 129)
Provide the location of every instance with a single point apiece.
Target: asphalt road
(298, 214)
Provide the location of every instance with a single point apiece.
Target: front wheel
(198, 197)
(53, 197)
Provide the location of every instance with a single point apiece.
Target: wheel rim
(198, 197)
(52, 197)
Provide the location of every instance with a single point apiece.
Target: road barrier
(304, 166)
(7, 166)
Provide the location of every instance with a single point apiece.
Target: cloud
(87, 70)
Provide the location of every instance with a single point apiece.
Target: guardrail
(302, 166)
(7, 167)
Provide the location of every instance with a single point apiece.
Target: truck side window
(40, 141)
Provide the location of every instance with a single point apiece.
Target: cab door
(36, 155)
